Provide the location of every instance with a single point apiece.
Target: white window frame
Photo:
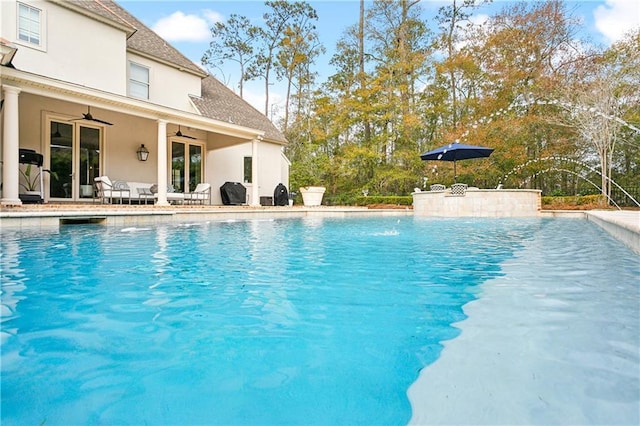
(140, 83)
(38, 26)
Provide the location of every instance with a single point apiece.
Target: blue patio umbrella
(457, 151)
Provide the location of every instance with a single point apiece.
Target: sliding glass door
(74, 160)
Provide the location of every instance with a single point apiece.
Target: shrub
(575, 202)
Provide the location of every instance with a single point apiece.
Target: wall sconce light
(143, 153)
(7, 52)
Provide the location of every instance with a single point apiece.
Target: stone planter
(312, 195)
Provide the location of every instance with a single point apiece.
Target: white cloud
(182, 27)
(479, 19)
(254, 95)
(212, 16)
(614, 18)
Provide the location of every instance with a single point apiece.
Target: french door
(74, 160)
(186, 165)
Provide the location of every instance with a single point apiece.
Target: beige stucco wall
(98, 50)
(227, 165)
(479, 203)
(92, 54)
(167, 85)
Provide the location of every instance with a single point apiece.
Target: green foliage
(391, 98)
(31, 179)
(574, 202)
(397, 200)
(29, 182)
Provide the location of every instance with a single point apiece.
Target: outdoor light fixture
(143, 153)
(7, 52)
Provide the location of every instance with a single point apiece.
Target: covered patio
(85, 133)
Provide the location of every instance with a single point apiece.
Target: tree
(271, 36)
(400, 56)
(232, 41)
(450, 18)
(601, 94)
(298, 49)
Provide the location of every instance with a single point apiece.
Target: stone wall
(478, 203)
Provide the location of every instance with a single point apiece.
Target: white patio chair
(201, 193)
(107, 190)
(437, 187)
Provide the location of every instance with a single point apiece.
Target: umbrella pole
(455, 174)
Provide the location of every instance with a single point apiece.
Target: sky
(185, 24)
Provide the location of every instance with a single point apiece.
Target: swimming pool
(314, 321)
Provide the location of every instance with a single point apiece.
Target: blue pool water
(313, 321)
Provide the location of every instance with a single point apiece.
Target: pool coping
(624, 225)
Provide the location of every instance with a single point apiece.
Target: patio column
(255, 193)
(162, 163)
(11, 146)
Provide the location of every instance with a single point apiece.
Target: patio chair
(107, 190)
(437, 187)
(459, 189)
(201, 193)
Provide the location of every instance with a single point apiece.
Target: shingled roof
(216, 101)
(219, 102)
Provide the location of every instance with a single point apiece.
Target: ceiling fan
(90, 117)
(181, 135)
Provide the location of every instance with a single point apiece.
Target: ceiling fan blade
(102, 121)
(181, 135)
(90, 117)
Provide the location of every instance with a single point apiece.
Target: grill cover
(280, 195)
(233, 193)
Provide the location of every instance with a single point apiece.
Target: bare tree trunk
(363, 82)
(266, 92)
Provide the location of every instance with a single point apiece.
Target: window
(138, 81)
(29, 19)
(247, 169)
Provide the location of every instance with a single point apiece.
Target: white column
(10, 147)
(255, 193)
(162, 163)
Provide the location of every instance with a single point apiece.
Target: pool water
(311, 321)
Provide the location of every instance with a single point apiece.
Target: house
(87, 85)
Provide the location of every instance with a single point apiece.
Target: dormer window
(138, 81)
(29, 24)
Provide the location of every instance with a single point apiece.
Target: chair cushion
(202, 187)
